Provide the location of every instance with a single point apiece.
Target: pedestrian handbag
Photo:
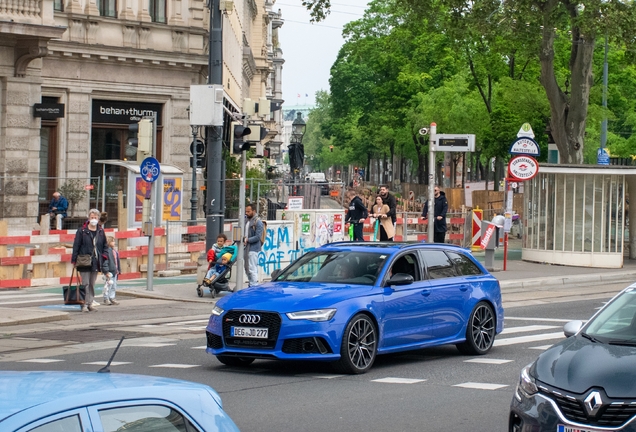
(74, 294)
(86, 260)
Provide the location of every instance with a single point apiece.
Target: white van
(316, 177)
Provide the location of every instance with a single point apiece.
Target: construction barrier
(40, 260)
(478, 216)
(411, 227)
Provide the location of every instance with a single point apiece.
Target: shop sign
(117, 112)
(48, 111)
(523, 167)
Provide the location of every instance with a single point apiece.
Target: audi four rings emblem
(249, 319)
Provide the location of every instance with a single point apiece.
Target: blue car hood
(292, 296)
(578, 364)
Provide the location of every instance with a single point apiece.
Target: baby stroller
(221, 283)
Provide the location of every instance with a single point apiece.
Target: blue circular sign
(150, 169)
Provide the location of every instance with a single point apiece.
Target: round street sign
(150, 169)
(197, 148)
(523, 167)
(526, 146)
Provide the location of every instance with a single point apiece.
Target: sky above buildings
(309, 49)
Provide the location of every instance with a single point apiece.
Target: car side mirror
(276, 273)
(401, 279)
(572, 328)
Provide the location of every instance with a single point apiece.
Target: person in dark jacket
(389, 200)
(356, 215)
(57, 209)
(441, 207)
(89, 240)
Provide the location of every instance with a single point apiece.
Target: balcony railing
(21, 11)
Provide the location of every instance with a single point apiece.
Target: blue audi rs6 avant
(347, 302)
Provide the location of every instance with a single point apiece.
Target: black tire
(213, 292)
(200, 291)
(235, 361)
(480, 331)
(359, 346)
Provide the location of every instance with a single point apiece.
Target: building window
(58, 5)
(107, 7)
(157, 10)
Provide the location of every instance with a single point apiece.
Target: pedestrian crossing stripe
(484, 360)
(174, 366)
(529, 328)
(391, 380)
(530, 338)
(40, 360)
(481, 386)
(104, 363)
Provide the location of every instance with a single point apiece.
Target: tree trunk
(568, 112)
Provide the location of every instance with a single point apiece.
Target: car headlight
(312, 315)
(217, 311)
(526, 386)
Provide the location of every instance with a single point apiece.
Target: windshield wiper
(622, 342)
(592, 338)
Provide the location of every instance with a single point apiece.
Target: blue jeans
(109, 293)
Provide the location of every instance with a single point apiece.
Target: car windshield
(616, 324)
(342, 267)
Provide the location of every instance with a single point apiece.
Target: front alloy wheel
(359, 346)
(480, 332)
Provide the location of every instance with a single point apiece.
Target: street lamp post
(194, 200)
(296, 148)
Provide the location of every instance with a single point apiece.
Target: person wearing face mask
(89, 240)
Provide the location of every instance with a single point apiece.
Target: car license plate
(563, 428)
(249, 332)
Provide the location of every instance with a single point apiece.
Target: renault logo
(249, 319)
(593, 402)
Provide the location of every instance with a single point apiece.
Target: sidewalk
(522, 283)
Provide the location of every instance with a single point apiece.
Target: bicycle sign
(150, 169)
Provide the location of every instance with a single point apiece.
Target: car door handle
(463, 287)
(426, 293)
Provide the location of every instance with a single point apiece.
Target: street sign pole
(431, 183)
(154, 218)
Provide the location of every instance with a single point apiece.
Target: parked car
(347, 302)
(87, 402)
(587, 382)
(324, 187)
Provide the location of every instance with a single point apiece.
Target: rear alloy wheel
(480, 332)
(359, 346)
(235, 361)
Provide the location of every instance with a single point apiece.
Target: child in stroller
(216, 278)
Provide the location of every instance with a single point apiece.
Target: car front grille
(214, 341)
(269, 320)
(614, 412)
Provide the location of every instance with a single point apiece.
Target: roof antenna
(106, 369)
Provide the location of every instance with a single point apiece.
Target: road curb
(29, 316)
(156, 296)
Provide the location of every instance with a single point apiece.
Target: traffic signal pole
(215, 182)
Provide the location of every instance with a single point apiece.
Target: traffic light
(237, 142)
(142, 139)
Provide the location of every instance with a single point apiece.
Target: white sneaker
(94, 304)
(107, 302)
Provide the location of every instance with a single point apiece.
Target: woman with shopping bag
(88, 249)
(385, 225)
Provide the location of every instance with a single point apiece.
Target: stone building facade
(92, 67)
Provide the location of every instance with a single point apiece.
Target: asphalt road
(427, 390)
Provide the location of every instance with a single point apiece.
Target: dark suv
(586, 383)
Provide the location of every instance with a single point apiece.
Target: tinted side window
(67, 424)
(463, 264)
(142, 418)
(406, 264)
(438, 264)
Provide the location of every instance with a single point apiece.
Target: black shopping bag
(74, 294)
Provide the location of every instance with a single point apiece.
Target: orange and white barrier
(451, 222)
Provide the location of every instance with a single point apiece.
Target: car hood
(578, 364)
(289, 296)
